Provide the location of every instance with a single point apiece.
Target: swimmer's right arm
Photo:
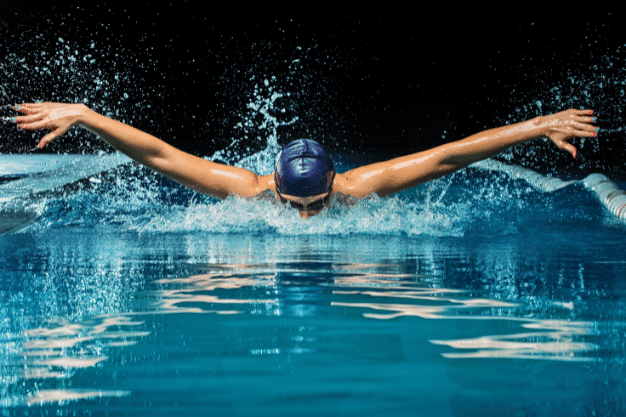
(194, 172)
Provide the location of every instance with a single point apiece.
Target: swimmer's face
(307, 206)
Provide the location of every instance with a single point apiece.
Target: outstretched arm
(197, 173)
(389, 177)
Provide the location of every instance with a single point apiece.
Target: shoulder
(346, 184)
(265, 183)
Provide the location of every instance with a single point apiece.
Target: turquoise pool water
(124, 294)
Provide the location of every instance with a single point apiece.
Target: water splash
(5, 97)
(49, 68)
(601, 87)
(267, 107)
(260, 114)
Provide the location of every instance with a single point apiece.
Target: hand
(560, 127)
(56, 117)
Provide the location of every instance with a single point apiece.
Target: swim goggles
(314, 206)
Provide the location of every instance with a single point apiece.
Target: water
(122, 293)
(125, 293)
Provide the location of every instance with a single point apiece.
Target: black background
(385, 79)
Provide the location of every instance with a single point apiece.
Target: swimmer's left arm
(389, 177)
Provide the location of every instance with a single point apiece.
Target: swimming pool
(490, 292)
(477, 294)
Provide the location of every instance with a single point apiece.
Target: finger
(29, 108)
(35, 125)
(587, 119)
(585, 112)
(50, 137)
(28, 119)
(585, 127)
(568, 147)
(583, 134)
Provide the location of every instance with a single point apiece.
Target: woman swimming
(304, 177)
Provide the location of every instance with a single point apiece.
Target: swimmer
(304, 177)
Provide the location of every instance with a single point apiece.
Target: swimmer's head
(304, 169)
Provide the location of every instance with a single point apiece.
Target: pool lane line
(67, 172)
(606, 191)
(609, 194)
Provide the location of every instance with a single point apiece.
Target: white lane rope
(606, 191)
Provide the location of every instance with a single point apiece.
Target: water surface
(125, 293)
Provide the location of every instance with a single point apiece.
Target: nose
(306, 214)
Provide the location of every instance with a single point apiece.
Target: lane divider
(609, 194)
(606, 191)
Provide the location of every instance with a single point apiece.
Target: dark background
(383, 79)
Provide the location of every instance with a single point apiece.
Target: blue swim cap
(304, 169)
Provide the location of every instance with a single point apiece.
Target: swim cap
(303, 169)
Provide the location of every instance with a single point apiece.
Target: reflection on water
(66, 395)
(556, 342)
(235, 309)
(392, 296)
(59, 348)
